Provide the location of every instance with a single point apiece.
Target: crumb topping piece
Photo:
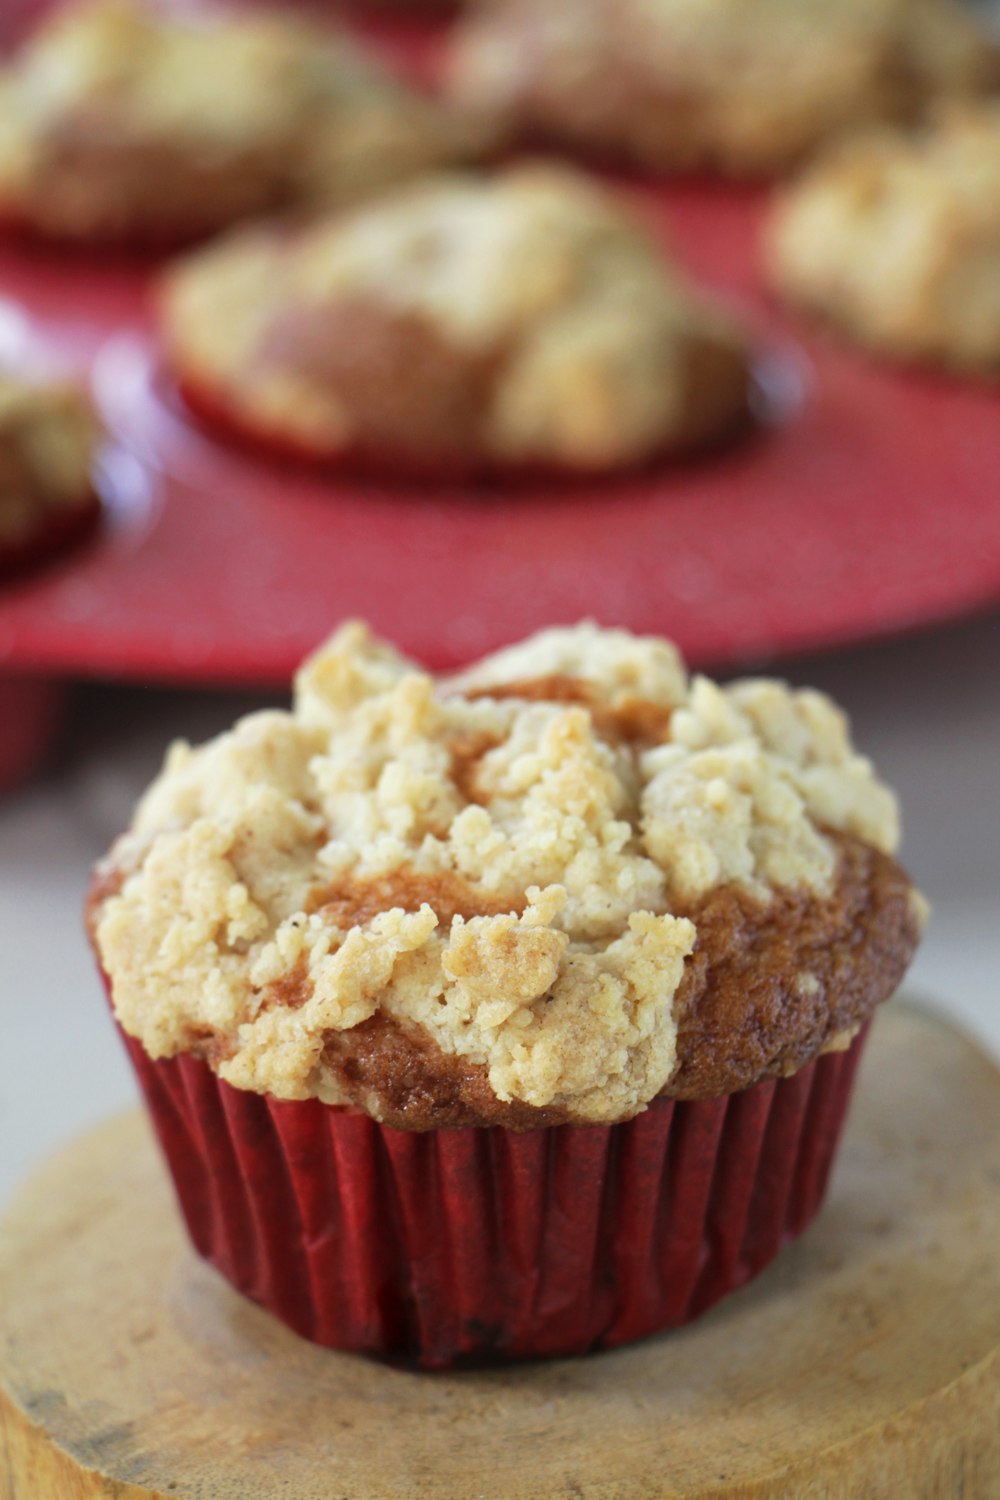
(718, 84)
(48, 437)
(895, 238)
(118, 120)
(523, 319)
(510, 881)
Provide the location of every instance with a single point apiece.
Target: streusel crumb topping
(497, 863)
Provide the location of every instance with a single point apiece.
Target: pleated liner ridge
(477, 1245)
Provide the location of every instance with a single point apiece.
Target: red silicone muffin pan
(866, 502)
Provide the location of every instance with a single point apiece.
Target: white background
(927, 709)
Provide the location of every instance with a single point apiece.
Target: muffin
(895, 241)
(48, 442)
(742, 87)
(119, 123)
(463, 325)
(512, 1013)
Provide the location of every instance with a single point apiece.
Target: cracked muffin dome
(895, 240)
(462, 324)
(119, 122)
(48, 440)
(548, 889)
(737, 86)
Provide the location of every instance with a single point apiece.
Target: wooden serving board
(865, 1365)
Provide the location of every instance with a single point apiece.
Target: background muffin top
(48, 441)
(727, 85)
(119, 121)
(894, 237)
(462, 323)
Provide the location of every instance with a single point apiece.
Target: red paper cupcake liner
(219, 417)
(477, 1245)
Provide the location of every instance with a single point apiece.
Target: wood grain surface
(865, 1364)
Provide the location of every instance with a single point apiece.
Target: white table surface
(927, 709)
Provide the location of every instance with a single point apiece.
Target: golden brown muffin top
(524, 319)
(547, 889)
(120, 118)
(896, 238)
(739, 86)
(48, 438)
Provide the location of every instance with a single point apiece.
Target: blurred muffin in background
(742, 87)
(895, 240)
(119, 124)
(48, 438)
(463, 325)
